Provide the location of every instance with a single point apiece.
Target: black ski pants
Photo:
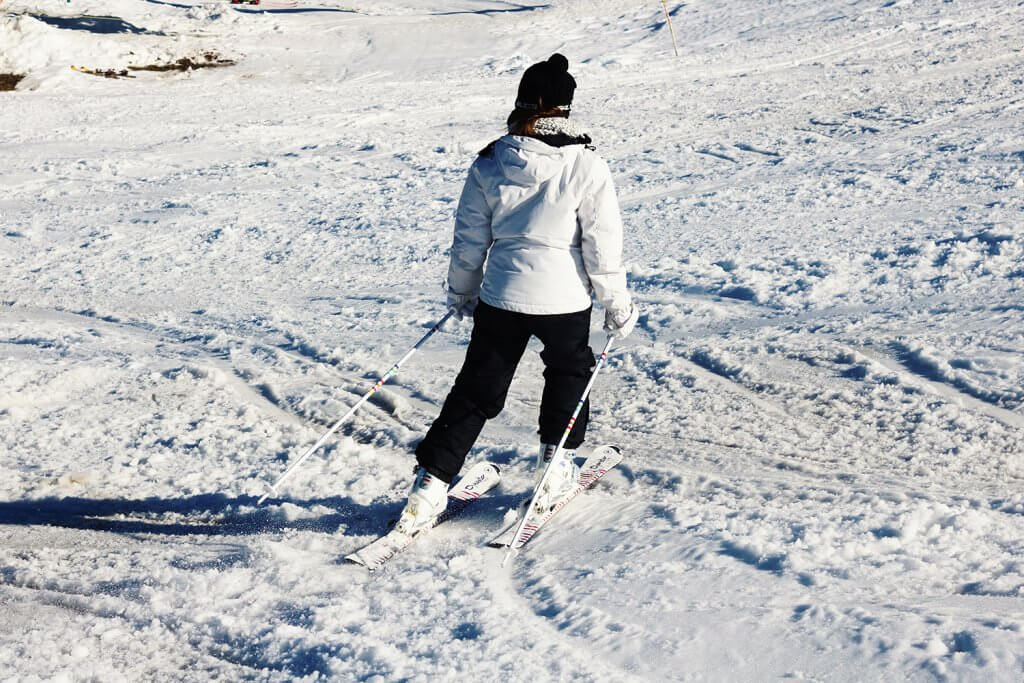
(497, 344)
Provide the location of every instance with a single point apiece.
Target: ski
(480, 479)
(602, 459)
(105, 73)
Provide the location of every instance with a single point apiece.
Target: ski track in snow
(822, 408)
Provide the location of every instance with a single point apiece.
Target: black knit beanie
(548, 84)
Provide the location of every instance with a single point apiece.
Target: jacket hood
(527, 161)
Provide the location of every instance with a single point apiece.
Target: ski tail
(480, 479)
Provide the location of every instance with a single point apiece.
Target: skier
(537, 233)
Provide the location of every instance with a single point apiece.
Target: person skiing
(537, 235)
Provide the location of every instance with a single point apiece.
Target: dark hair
(522, 121)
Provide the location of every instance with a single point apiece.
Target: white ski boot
(562, 479)
(427, 500)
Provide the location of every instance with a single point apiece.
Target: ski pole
(668, 18)
(572, 421)
(366, 397)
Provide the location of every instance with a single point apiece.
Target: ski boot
(562, 479)
(427, 500)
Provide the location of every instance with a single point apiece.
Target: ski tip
(608, 447)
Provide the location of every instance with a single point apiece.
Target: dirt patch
(207, 60)
(10, 81)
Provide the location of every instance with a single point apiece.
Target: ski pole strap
(366, 397)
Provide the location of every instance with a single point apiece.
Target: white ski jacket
(546, 222)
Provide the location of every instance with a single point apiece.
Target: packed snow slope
(821, 408)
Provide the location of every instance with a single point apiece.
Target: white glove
(620, 323)
(464, 304)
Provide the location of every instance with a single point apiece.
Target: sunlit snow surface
(821, 408)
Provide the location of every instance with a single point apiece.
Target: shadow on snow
(92, 24)
(211, 514)
(488, 12)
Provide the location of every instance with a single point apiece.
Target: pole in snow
(671, 30)
(366, 397)
(572, 421)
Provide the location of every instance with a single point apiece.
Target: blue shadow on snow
(256, 10)
(214, 514)
(104, 25)
(488, 12)
(771, 563)
(290, 10)
(169, 4)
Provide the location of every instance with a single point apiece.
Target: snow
(822, 407)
